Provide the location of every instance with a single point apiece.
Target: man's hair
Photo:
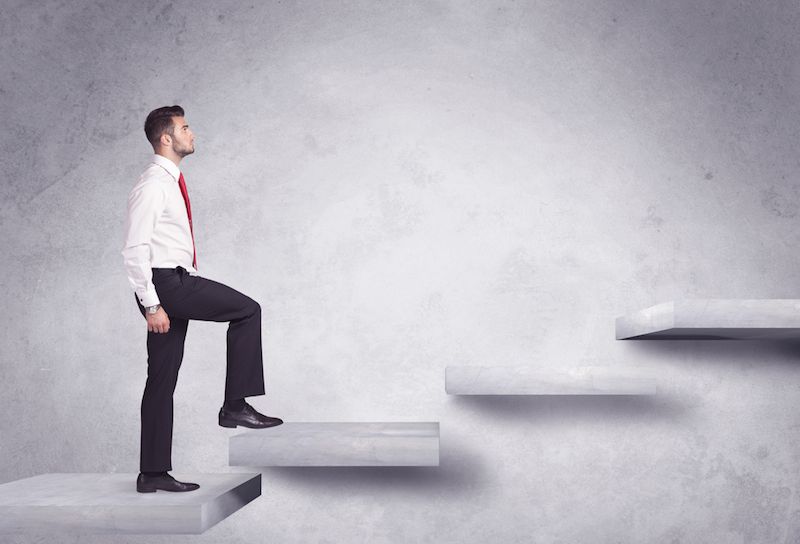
(159, 121)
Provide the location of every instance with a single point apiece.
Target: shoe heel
(225, 423)
(146, 489)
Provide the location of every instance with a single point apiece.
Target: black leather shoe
(246, 417)
(165, 482)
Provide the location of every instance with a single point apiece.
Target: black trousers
(186, 297)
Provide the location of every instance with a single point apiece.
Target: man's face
(182, 138)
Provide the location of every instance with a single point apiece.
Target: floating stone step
(526, 380)
(713, 319)
(109, 503)
(337, 444)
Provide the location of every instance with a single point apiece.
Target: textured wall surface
(404, 186)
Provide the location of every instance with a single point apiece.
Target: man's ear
(166, 139)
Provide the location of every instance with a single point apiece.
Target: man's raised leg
(195, 297)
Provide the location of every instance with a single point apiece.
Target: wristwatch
(153, 309)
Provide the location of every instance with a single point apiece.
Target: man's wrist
(153, 309)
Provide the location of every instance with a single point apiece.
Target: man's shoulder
(152, 177)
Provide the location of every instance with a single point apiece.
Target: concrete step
(337, 444)
(714, 319)
(109, 503)
(526, 380)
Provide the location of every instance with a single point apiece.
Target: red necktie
(185, 194)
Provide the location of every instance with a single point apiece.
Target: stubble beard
(183, 151)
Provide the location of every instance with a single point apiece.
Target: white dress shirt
(157, 232)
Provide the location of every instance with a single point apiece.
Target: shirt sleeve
(146, 203)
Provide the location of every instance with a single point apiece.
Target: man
(161, 264)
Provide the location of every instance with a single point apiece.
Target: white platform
(338, 444)
(526, 380)
(109, 503)
(714, 319)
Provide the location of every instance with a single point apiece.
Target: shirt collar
(167, 165)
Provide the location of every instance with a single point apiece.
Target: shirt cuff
(150, 298)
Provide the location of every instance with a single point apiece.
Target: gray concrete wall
(404, 186)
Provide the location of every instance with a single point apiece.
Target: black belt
(178, 269)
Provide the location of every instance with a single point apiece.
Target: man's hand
(158, 322)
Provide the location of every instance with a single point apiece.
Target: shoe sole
(232, 424)
(154, 489)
